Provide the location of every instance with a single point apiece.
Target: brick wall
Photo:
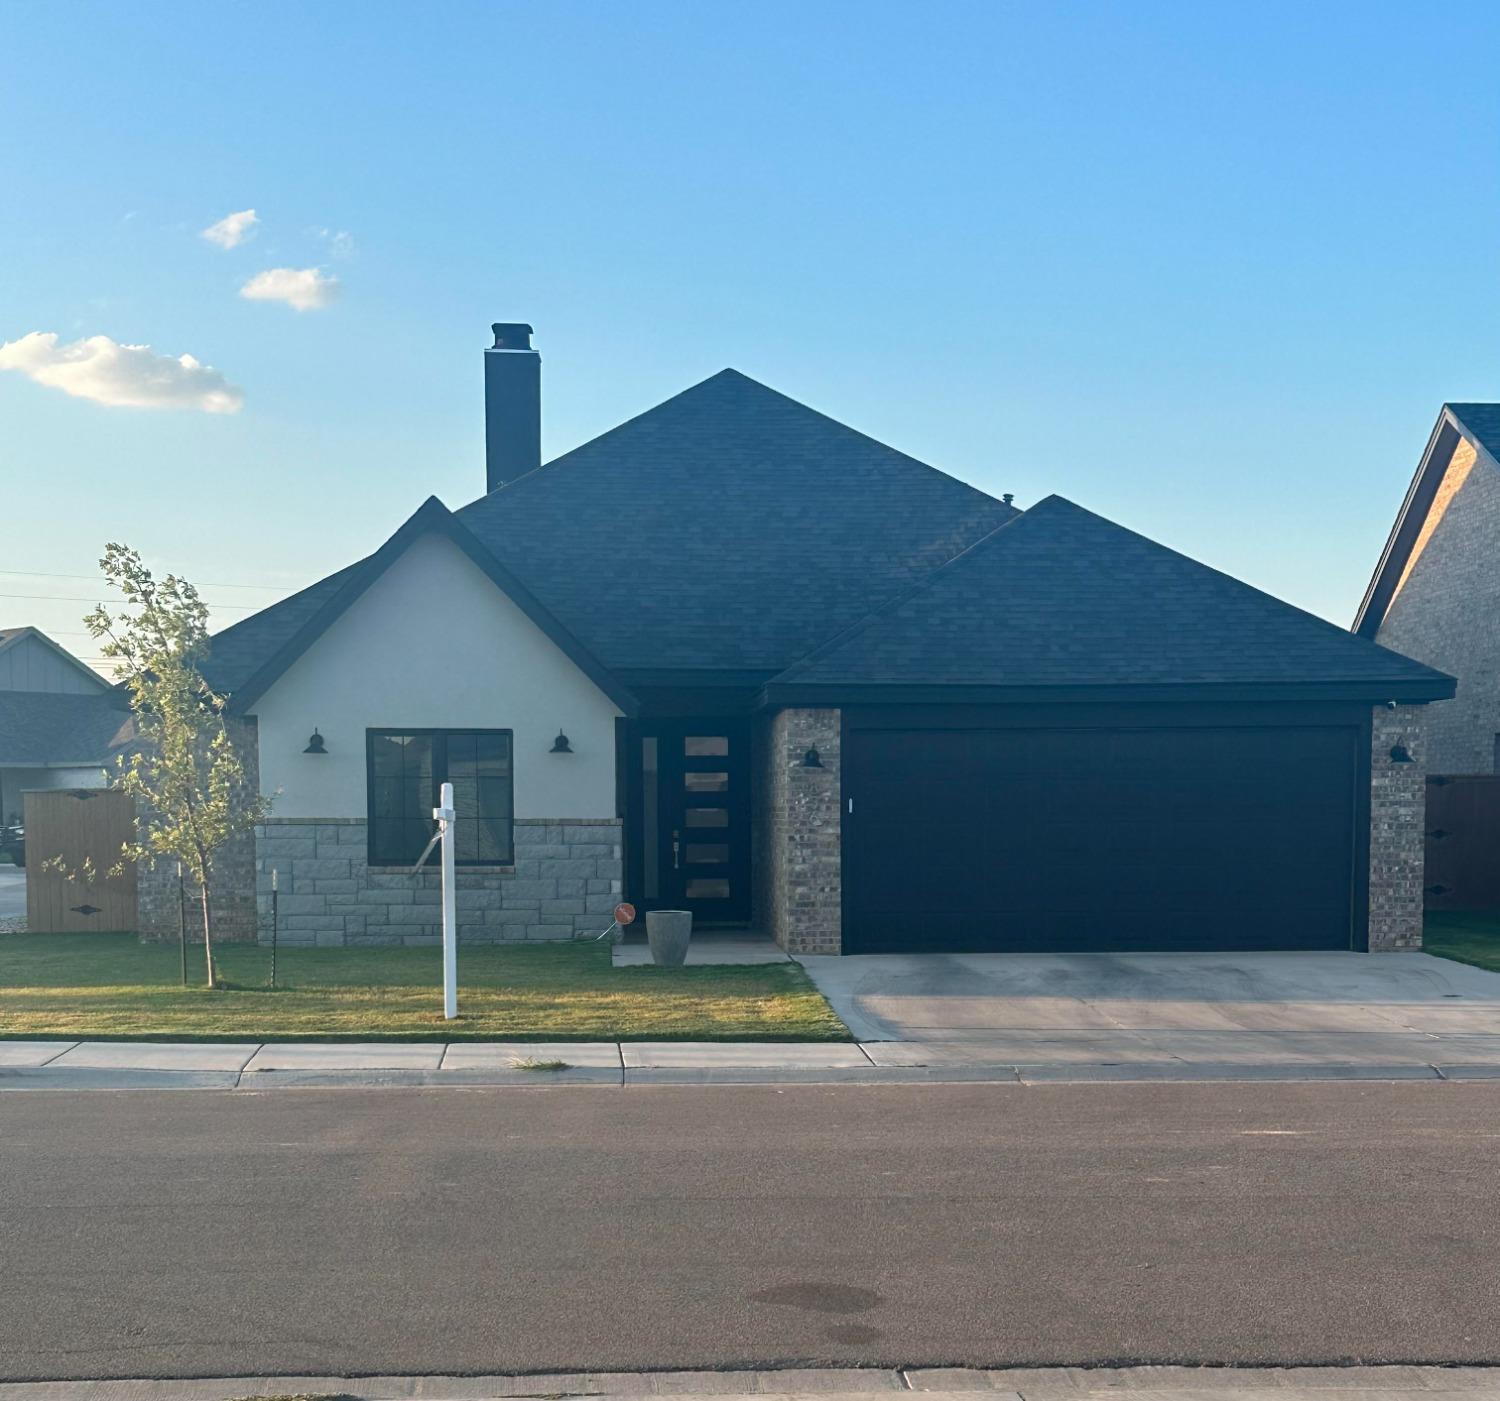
(232, 883)
(1445, 609)
(801, 833)
(1398, 800)
(564, 884)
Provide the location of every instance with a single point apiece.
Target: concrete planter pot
(668, 933)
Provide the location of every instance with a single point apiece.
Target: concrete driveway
(12, 893)
(1336, 1009)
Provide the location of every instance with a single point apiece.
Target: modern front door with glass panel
(690, 814)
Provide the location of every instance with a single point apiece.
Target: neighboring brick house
(1435, 594)
(737, 658)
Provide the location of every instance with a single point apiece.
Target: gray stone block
(320, 869)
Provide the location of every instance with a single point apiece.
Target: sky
(1208, 270)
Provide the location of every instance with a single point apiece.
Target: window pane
(707, 889)
(705, 817)
(699, 854)
(479, 768)
(706, 782)
(650, 819)
(401, 797)
(705, 746)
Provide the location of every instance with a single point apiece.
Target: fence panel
(1463, 842)
(74, 824)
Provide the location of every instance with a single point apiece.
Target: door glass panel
(701, 888)
(705, 817)
(700, 855)
(705, 746)
(650, 819)
(706, 782)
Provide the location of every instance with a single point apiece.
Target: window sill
(435, 867)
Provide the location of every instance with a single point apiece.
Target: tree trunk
(208, 947)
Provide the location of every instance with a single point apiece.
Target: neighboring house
(737, 658)
(1435, 595)
(59, 719)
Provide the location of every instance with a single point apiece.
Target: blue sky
(1206, 269)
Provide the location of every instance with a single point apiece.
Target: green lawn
(1465, 938)
(103, 986)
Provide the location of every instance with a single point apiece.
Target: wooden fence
(74, 824)
(1463, 842)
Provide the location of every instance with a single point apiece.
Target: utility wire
(207, 583)
(84, 598)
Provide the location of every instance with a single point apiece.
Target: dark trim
(1409, 522)
(1103, 716)
(1408, 691)
(1359, 896)
(431, 518)
(439, 777)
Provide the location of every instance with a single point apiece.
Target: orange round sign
(624, 914)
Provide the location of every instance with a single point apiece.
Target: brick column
(1398, 804)
(805, 857)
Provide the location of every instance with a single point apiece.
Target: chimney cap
(511, 335)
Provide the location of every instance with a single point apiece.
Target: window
(404, 771)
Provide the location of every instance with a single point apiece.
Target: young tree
(191, 789)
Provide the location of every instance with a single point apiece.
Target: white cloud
(123, 376)
(232, 230)
(307, 289)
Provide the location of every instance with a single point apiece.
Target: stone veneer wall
(802, 862)
(232, 882)
(1398, 804)
(564, 884)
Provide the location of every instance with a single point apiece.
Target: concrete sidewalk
(829, 1384)
(1017, 1057)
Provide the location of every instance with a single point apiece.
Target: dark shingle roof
(240, 651)
(38, 727)
(1064, 598)
(730, 528)
(1483, 421)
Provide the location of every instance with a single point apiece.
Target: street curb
(826, 1384)
(34, 1078)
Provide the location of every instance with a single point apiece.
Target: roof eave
(1409, 521)
(1408, 691)
(432, 517)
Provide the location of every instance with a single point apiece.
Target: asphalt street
(408, 1231)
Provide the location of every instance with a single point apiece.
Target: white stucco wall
(433, 643)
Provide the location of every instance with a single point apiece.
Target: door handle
(675, 847)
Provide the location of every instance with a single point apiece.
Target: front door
(690, 818)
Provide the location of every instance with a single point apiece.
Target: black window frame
(440, 737)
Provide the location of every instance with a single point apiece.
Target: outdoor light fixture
(1400, 754)
(560, 745)
(810, 760)
(315, 744)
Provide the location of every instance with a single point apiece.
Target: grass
(110, 986)
(1465, 937)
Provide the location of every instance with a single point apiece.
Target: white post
(445, 818)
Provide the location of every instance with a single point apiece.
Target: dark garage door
(1080, 840)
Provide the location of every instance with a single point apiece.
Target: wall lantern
(1400, 754)
(810, 760)
(315, 743)
(560, 745)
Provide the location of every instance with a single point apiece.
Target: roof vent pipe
(512, 405)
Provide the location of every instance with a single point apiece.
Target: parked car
(13, 842)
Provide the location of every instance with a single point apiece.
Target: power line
(83, 598)
(207, 583)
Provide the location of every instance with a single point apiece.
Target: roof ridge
(890, 605)
(729, 372)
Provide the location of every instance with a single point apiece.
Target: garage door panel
(1169, 838)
